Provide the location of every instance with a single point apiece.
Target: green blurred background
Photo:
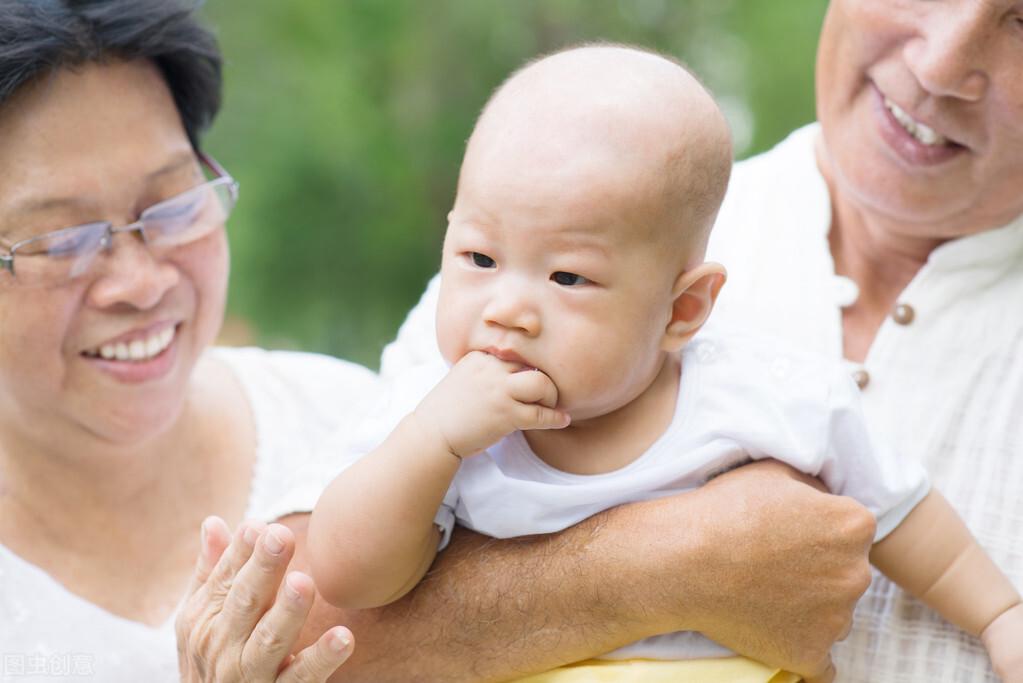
(345, 122)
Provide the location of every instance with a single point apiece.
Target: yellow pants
(718, 670)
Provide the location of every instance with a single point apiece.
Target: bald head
(608, 109)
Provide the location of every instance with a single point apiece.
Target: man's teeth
(138, 350)
(924, 134)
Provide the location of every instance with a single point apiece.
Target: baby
(572, 285)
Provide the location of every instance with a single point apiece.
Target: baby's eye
(568, 279)
(481, 260)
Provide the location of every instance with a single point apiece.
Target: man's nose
(127, 272)
(513, 309)
(949, 55)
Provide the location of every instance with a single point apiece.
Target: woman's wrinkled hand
(242, 615)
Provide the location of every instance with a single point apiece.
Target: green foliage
(345, 122)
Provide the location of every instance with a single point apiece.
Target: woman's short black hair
(41, 36)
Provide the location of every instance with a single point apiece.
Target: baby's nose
(513, 310)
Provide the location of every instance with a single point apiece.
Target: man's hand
(779, 564)
(482, 399)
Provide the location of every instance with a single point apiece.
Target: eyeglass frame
(7, 260)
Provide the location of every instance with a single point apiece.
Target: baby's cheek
(451, 335)
(613, 373)
(583, 383)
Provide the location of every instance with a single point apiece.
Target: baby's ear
(694, 294)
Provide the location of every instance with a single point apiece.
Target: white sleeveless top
(48, 633)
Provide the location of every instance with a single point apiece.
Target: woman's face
(921, 105)
(101, 143)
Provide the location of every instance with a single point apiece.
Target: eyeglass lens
(67, 254)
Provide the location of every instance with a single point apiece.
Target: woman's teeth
(138, 350)
(924, 134)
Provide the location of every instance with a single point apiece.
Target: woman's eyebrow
(40, 204)
(27, 207)
(175, 163)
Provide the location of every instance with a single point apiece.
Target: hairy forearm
(372, 537)
(728, 560)
(933, 556)
(495, 609)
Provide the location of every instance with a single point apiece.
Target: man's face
(921, 105)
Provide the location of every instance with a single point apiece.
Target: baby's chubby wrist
(1002, 638)
(427, 431)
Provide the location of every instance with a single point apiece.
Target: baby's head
(577, 238)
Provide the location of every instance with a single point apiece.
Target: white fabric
(739, 398)
(48, 633)
(945, 390)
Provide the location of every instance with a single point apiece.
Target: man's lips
(908, 146)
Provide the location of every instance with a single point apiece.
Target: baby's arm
(933, 556)
(371, 535)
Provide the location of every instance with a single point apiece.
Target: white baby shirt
(740, 398)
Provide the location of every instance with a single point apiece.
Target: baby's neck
(609, 442)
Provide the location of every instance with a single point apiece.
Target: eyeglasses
(57, 257)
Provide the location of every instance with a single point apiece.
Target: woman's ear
(694, 293)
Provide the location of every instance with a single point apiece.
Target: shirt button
(903, 314)
(861, 377)
(844, 291)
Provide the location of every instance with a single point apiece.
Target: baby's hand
(483, 399)
(1003, 639)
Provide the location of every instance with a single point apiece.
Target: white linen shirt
(945, 389)
(48, 633)
(945, 382)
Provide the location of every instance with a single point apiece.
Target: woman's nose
(127, 272)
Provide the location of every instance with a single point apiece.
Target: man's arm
(756, 560)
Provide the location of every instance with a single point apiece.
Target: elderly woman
(889, 235)
(120, 429)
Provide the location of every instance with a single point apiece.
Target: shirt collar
(998, 245)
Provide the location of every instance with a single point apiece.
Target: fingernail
(202, 535)
(273, 543)
(338, 643)
(289, 588)
(250, 535)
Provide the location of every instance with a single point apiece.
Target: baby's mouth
(509, 356)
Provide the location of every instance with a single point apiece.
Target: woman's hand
(242, 616)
